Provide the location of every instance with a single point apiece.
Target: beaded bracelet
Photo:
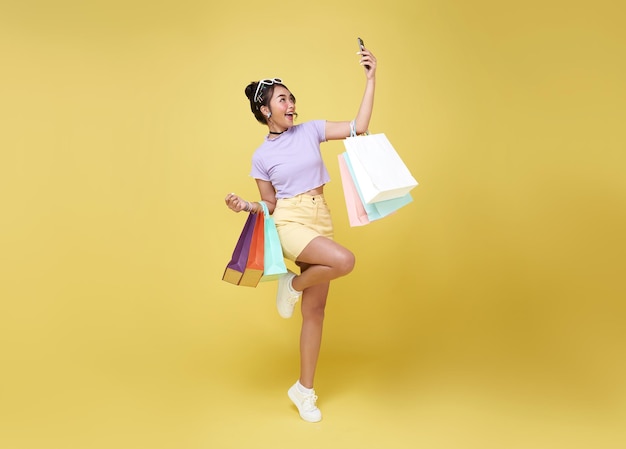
(249, 208)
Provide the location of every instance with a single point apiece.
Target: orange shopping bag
(254, 267)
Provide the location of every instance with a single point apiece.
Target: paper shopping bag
(274, 263)
(237, 265)
(379, 171)
(357, 216)
(254, 266)
(378, 209)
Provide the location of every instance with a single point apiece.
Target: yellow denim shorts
(299, 220)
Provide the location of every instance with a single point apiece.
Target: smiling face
(282, 106)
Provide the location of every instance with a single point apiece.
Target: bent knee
(345, 263)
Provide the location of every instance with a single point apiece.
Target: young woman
(290, 175)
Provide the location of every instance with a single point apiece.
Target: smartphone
(361, 47)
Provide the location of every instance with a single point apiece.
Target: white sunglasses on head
(265, 82)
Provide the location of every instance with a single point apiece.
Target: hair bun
(250, 89)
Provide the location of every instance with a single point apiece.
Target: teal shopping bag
(274, 263)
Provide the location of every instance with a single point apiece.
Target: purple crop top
(293, 161)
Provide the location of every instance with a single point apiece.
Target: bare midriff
(316, 191)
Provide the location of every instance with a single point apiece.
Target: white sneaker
(305, 403)
(286, 298)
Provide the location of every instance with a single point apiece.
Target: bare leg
(313, 305)
(326, 260)
(321, 261)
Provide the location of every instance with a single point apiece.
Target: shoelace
(308, 403)
(292, 300)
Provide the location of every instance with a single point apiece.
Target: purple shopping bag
(237, 265)
(254, 266)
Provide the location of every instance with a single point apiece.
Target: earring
(269, 115)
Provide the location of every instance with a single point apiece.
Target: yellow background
(487, 314)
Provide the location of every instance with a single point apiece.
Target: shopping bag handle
(353, 129)
(266, 211)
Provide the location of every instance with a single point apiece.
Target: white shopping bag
(378, 169)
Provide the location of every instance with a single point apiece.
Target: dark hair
(264, 100)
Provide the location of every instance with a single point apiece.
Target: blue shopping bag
(274, 262)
